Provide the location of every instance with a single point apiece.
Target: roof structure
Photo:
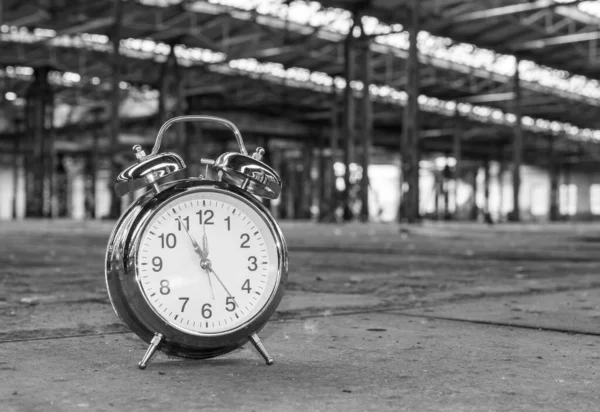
(285, 61)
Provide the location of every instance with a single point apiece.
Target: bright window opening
(595, 199)
(568, 199)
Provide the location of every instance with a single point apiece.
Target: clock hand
(201, 253)
(204, 241)
(197, 247)
(209, 268)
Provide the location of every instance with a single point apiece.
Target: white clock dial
(207, 262)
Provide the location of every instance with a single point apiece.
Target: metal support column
(115, 124)
(349, 120)
(331, 197)
(501, 170)
(457, 154)
(409, 151)
(322, 182)
(171, 83)
(554, 172)
(15, 176)
(91, 178)
(474, 212)
(306, 182)
(517, 152)
(486, 186)
(367, 125)
(38, 161)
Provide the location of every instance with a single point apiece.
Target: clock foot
(260, 348)
(154, 343)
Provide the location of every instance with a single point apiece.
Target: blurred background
(383, 110)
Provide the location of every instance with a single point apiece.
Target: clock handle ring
(199, 118)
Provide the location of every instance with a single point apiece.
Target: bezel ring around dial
(130, 302)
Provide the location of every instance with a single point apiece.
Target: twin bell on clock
(196, 267)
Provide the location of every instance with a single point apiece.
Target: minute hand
(222, 284)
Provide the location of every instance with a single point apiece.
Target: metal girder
(486, 98)
(269, 51)
(430, 133)
(205, 89)
(241, 38)
(558, 40)
(88, 26)
(510, 10)
(28, 20)
(577, 15)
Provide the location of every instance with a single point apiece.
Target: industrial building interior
(473, 107)
(432, 244)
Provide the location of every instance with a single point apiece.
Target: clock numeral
(205, 217)
(228, 220)
(246, 286)
(185, 301)
(253, 265)
(187, 223)
(245, 239)
(229, 302)
(170, 240)
(157, 263)
(164, 287)
(206, 312)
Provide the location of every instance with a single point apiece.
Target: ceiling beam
(510, 10)
(486, 98)
(557, 40)
(88, 26)
(269, 52)
(29, 19)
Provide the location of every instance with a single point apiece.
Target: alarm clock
(195, 267)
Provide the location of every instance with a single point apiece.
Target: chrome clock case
(242, 177)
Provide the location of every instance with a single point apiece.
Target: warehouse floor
(436, 317)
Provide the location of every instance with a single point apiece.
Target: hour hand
(197, 248)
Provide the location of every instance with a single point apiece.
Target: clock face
(208, 262)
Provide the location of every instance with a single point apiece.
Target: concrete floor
(440, 317)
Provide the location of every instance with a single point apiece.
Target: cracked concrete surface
(436, 318)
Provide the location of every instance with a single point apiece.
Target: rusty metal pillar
(517, 152)
(115, 124)
(63, 197)
(171, 85)
(554, 172)
(409, 151)
(91, 178)
(349, 117)
(38, 161)
(367, 125)
(330, 201)
(445, 186)
(306, 182)
(501, 170)
(457, 154)
(474, 212)
(322, 181)
(486, 186)
(15, 175)
(265, 143)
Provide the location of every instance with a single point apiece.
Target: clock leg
(260, 348)
(154, 343)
